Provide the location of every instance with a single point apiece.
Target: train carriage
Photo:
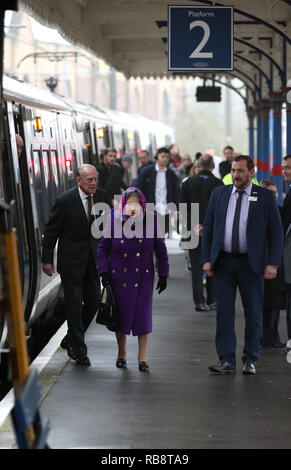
(58, 136)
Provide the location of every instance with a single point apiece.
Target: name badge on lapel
(253, 198)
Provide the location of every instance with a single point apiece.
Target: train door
(103, 138)
(68, 159)
(16, 185)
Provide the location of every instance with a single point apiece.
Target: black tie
(89, 209)
(235, 227)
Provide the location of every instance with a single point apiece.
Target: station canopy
(131, 35)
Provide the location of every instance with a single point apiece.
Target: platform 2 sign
(200, 38)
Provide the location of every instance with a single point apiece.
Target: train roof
(30, 95)
(89, 110)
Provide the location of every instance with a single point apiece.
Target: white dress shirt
(83, 197)
(242, 221)
(161, 190)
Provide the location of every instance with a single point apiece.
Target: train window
(85, 155)
(53, 166)
(45, 167)
(39, 190)
(53, 183)
(71, 168)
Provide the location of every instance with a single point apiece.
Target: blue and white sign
(200, 38)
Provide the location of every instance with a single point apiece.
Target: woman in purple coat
(125, 260)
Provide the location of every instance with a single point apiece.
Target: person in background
(105, 169)
(160, 186)
(217, 160)
(127, 264)
(286, 222)
(198, 189)
(274, 300)
(175, 159)
(19, 144)
(143, 160)
(186, 166)
(225, 166)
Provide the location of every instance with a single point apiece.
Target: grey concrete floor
(178, 404)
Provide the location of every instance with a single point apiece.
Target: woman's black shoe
(121, 363)
(143, 366)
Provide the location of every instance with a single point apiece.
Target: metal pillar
(265, 139)
(259, 149)
(251, 116)
(287, 93)
(276, 100)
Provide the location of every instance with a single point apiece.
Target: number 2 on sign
(196, 54)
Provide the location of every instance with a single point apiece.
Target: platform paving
(178, 404)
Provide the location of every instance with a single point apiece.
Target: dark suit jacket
(69, 225)
(146, 182)
(224, 168)
(264, 229)
(198, 189)
(286, 212)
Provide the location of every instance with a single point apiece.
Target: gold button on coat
(137, 270)
(147, 271)
(136, 285)
(125, 270)
(125, 255)
(138, 254)
(113, 270)
(140, 241)
(124, 285)
(121, 241)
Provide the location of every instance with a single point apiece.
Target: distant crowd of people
(244, 240)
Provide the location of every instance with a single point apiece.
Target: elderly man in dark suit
(70, 224)
(241, 244)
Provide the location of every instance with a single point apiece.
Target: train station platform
(178, 404)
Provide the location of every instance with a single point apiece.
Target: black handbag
(107, 312)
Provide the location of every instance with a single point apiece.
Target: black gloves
(105, 279)
(162, 284)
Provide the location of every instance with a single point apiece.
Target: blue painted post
(258, 152)
(287, 95)
(251, 115)
(265, 156)
(288, 119)
(276, 100)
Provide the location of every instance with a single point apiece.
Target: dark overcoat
(130, 264)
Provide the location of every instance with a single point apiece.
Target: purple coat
(129, 261)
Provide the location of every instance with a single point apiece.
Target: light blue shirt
(244, 212)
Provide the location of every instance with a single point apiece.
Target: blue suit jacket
(264, 228)
(146, 182)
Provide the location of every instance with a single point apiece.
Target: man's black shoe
(202, 308)
(83, 361)
(212, 306)
(70, 352)
(63, 343)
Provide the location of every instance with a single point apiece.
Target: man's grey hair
(83, 167)
(206, 162)
(127, 157)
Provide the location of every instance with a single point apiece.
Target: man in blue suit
(241, 244)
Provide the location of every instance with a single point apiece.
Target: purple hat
(124, 198)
